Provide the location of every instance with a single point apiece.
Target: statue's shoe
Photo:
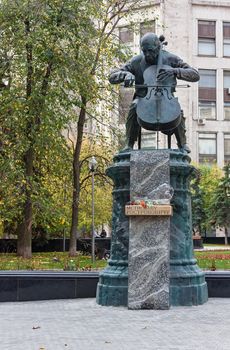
(126, 149)
(185, 148)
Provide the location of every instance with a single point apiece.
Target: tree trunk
(225, 236)
(24, 246)
(24, 243)
(76, 180)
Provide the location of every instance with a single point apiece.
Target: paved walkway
(81, 324)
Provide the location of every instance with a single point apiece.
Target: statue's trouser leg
(132, 126)
(180, 132)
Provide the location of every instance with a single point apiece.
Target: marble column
(148, 282)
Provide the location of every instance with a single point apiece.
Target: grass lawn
(208, 260)
(50, 261)
(213, 260)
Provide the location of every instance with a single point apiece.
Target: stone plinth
(148, 269)
(112, 288)
(187, 281)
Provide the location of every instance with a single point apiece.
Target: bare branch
(102, 175)
(93, 155)
(119, 12)
(100, 122)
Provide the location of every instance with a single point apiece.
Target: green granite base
(187, 281)
(187, 286)
(112, 288)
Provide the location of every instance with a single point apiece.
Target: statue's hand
(117, 77)
(129, 80)
(166, 73)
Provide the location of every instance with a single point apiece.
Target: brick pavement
(81, 324)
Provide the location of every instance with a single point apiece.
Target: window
(227, 95)
(207, 110)
(207, 94)
(207, 148)
(207, 38)
(125, 100)
(226, 38)
(207, 78)
(147, 27)
(227, 110)
(148, 139)
(227, 148)
(126, 36)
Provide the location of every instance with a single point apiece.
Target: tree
(202, 189)
(96, 54)
(219, 214)
(198, 210)
(51, 194)
(54, 59)
(102, 185)
(39, 45)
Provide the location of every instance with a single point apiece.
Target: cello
(159, 110)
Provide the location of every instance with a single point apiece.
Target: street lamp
(227, 182)
(64, 228)
(92, 168)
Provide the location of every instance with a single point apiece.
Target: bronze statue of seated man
(133, 71)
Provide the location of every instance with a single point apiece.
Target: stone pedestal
(187, 282)
(112, 288)
(148, 268)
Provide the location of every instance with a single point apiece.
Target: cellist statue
(173, 68)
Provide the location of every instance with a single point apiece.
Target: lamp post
(92, 168)
(227, 182)
(64, 200)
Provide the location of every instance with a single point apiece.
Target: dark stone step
(45, 285)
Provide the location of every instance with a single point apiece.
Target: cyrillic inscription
(157, 210)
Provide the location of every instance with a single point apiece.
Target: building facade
(198, 31)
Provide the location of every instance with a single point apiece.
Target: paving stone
(81, 324)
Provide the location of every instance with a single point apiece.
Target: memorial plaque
(156, 210)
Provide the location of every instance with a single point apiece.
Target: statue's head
(150, 46)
